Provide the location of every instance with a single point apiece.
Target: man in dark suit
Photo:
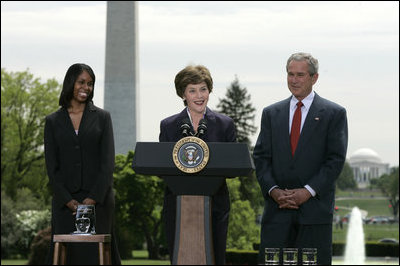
(194, 84)
(298, 157)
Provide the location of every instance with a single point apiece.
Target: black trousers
(293, 234)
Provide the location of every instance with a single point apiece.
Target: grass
(372, 232)
(14, 262)
(145, 262)
(371, 205)
(140, 258)
(359, 193)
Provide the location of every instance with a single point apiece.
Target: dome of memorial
(365, 154)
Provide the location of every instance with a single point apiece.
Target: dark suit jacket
(79, 162)
(318, 160)
(81, 166)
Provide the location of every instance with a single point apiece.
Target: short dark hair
(192, 75)
(67, 92)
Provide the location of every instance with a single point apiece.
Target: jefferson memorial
(367, 165)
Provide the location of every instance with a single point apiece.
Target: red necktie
(296, 124)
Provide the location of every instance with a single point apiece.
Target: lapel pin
(316, 119)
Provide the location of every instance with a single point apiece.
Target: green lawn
(14, 262)
(372, 232)
(140, 258)
(371, 205)
(359, 193)
(145, 262)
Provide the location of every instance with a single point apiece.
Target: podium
(193, 234)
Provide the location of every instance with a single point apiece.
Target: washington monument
(121, 73)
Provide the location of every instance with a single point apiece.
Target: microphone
(185, 127)
(202, 129)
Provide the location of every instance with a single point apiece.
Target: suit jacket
(79, 162)
(81, 166)
(318, 160)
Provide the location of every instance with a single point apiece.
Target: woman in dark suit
(79, 153)
(194, 84)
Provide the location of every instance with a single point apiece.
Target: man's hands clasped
(290, 198)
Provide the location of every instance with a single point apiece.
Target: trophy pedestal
(60, 249)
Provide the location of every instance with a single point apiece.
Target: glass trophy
(85, 220)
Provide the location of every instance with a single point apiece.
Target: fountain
(355, 247)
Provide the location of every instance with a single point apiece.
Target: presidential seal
(190, 154)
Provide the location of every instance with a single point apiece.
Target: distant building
(367, 165)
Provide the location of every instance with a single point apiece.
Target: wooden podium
(193, 235)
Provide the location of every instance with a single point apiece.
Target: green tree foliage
(139, 201)
(346, 180)
(389, 184)
(237, 106)
(240, 236)
(246, 199)
(25, 102)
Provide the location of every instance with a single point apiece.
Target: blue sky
(356, 43)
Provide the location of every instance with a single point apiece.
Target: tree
(239, 236)
(237, 106)
(346, 178)
(246, 199)
(25, 102)
(389, 184)
(138, 206)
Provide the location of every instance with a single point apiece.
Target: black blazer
(83, 162)
(318, 160)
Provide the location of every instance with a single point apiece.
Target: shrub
(29, 224)
(40, 247)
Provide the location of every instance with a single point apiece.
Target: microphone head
(201, 130)
(203, 123)
(185, 127)
(185, 124)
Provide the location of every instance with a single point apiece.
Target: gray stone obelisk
(121, 73)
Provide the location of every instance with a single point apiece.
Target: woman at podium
(194, 84)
